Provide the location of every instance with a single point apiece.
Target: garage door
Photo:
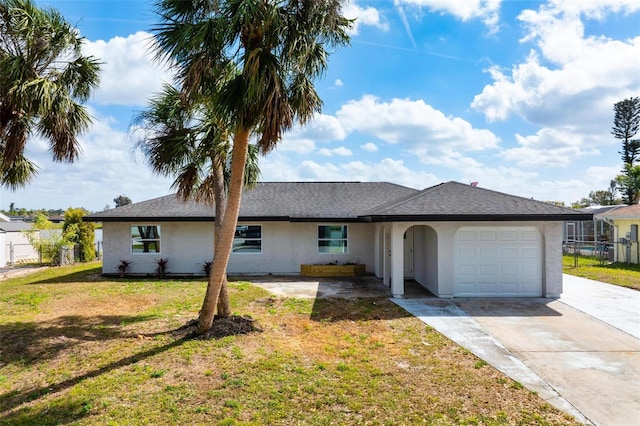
(498, 262)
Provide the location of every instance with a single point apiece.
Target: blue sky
(517, 95)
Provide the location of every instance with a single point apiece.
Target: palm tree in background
(44, 78)
(275, 49)
(186, 140)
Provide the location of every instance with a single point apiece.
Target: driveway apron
(572, 356)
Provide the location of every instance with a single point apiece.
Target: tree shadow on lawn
(34, 341)
(14, 399)
(39, 347)
(84, 276)
(66, 412)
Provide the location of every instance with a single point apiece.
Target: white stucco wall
(552, 235)
(285, 246)
(187, 245)
(425, 257)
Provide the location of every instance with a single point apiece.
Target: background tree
(47, 240)
(186, 140)
(81, 233)
(626, 123)
(44, 78)
(274, 49)
(630, 181)
(603, 197)
(122, 200)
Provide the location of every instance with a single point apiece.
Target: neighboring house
(454, 239)
(14, 245)
(625, 221)
(588, 231)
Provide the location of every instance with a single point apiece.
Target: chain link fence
(603, 252)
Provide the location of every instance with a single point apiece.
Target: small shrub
(123, 266)
(161, 271)
(206, 267)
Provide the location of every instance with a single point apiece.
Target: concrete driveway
(581, 352)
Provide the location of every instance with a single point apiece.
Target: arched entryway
(421, 256)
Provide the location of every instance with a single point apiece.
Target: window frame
(346, 239)
(260, 239)
(157, 240)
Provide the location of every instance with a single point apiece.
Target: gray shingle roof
(15, 226)
(284, 200)
(354, 201)
(457, 201)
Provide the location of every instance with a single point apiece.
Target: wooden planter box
(332, 270)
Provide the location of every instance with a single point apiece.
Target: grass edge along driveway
(622, 274)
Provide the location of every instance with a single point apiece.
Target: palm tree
(43, 79)
(277, 48)
(185, 139)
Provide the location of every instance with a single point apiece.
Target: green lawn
(77, 348)
(616, 273)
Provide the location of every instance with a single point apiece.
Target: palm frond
(43, 79)
(17, 173)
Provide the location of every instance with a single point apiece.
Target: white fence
(20, 253)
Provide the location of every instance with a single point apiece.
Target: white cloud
(297, 145)
(338, 83)
(447, 158)
(587, 75)
(567, 85)
(486, 10)
(369, 147)
(129, 73)
(551, 147)
(368, 16)
(418, 126)
(321, 128)
(592, 9)
(340, 151)
(303, 139)
(385, 170)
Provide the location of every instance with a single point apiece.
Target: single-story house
(625, 221)
(456, 240)
(16, 246)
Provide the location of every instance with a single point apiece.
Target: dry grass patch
(95, 351)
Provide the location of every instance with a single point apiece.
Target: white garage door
(498, 261)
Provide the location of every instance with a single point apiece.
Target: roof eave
(477, 218)
(181, 218)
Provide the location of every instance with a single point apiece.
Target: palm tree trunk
(225, 239)
(224, 307)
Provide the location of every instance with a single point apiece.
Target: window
(247, 239)
(145, 239)
(332, 239)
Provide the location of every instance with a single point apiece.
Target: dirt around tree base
(222, 327)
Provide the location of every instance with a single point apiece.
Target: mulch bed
(222, 327)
